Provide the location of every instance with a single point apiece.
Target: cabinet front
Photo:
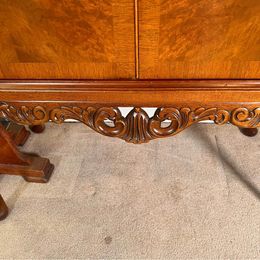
(199, 38)
(67, 39)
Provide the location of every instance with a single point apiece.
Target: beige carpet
(192, 196)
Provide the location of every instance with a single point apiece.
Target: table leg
(37, 128)
(32, 167)
(249, 131)
(3, 209)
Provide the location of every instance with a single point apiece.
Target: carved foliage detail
(246, 118)
(24, 115)
(137, 126)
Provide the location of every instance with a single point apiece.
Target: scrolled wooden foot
(250, 132)
(3, 209)
(37, 128)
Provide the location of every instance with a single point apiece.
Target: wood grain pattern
(156, 93)
(199, 39)
(67, 39)
(101, 39)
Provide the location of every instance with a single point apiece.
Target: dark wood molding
(137, 126)
(128, 85)
(156, 93)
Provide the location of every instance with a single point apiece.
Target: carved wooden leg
(3, 209)
(33, 168)
(37, 128)
(249, 131)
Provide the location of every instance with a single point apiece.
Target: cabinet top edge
(130, 84)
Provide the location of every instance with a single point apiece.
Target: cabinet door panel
(67, 39)
(199, 38)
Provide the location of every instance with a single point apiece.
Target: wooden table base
(18, 133)
(32, 167)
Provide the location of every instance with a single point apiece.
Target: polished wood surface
(48, 39)
(13, 162)
(32, 167)
(199, 39)
(191, 60)
(19, 135)
(151, 93)
(137, 127)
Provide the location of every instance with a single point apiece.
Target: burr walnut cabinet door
(199, 38)
(61, 39)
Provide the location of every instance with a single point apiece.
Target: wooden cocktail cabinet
(83, 59)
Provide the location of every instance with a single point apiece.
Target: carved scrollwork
(137, 127)
(101, 115)
(246, 118)
(24, 115)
